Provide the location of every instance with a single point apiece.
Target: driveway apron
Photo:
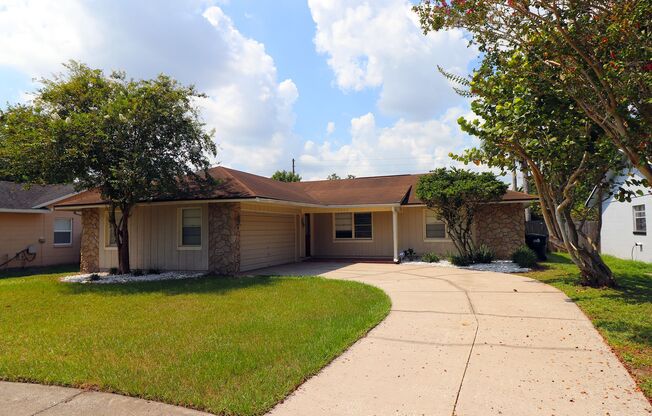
(467, 343)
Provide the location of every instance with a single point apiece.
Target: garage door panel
(266, 240)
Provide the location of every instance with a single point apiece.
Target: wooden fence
(590, 228)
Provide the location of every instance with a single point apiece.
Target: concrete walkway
(457, 342)
(23, 399)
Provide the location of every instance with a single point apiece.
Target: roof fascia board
(24, 211)
(260, 200)
(54, 201)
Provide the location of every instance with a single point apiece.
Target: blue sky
(342, 86)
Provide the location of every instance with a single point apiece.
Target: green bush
(137, 272)
(524, 257)
(430, 258)
(460, 260)
(113, 270)
(483, 254)
(153, 271)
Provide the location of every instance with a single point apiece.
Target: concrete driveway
(467, 343)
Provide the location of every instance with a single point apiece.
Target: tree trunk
(123, 250)
(593, 271)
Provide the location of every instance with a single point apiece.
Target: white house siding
(617, 235)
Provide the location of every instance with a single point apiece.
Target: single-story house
(31, 232)
(250, 221)
(624, 231)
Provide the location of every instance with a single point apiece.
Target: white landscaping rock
(106, 278)
(499, 266)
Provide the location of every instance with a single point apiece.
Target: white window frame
(425, 232)
(353, 238)
(180, 245)
(636, 215)
(54, 230)
(107, 232)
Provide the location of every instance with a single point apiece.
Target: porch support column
(395, 232)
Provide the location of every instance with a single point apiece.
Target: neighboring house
(251, 222)
(625, 225)
(30, 228)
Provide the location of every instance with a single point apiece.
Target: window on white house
(62, 231)
(640, 225)
(110, 235)
(191, 227)
(349, 225)
(435, 228)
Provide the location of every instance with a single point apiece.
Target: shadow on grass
(208, 285)
(33, 271)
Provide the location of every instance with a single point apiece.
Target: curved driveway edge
(467, 343)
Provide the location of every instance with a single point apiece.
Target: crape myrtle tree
(286, 176)
(131, 140)
(596, 51)
(455, 196)
(521, 118)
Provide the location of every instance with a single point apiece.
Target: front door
(306, 220)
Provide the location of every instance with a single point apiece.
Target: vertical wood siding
(410, 235)
(153, 240)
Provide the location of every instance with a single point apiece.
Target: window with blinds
(435, 229)
(191, 227)
(353, 226)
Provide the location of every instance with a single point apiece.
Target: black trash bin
(538, 243)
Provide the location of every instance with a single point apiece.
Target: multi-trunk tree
(521, 118)
(131, 140)
(455, 195)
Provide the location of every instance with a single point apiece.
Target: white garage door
(266, 240)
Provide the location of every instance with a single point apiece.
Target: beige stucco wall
(17, 231)
(154, 240)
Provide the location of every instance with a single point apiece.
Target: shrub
(524, 257)
(137, 272)
(153, 271)
(93, 277)
(460, 260)
(113, 270)
(410, 254)
(430, 258)
(483, 254)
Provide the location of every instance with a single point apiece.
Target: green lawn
(622, 315)
(228, 346)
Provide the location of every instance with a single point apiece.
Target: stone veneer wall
(90, 241)
(224, 238)
(501, 227)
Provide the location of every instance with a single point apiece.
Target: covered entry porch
(367, 232)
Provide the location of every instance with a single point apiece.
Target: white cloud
(405, 147)
(330, 128)
(379, 44)
(193, 41)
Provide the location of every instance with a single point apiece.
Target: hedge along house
(249, 222)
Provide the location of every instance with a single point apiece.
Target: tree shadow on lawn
(219, 285)
(33, 271)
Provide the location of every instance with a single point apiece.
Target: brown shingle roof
(235, 184)
(16, 196)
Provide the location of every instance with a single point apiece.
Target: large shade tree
(522, 118)
(131, 140)
(596, 51)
